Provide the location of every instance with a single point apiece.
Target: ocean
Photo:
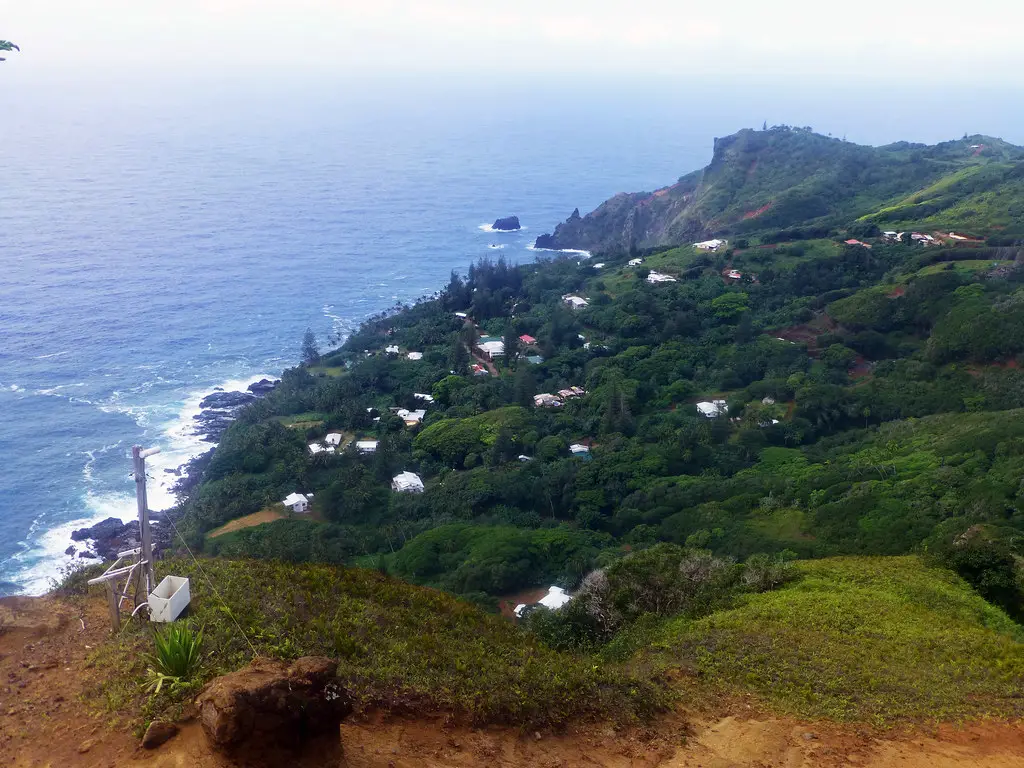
(158, 241)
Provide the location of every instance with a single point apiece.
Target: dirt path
(249, 521)
(50, 717)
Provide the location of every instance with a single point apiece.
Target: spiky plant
(7, 45)
(177, 658)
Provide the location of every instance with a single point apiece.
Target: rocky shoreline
(106, 538)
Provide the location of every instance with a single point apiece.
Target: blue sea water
(158, 242)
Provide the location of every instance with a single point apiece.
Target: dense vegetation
(875, 407)
(872, 410)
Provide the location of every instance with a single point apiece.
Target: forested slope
(872, 397)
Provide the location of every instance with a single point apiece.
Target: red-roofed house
(527, 339)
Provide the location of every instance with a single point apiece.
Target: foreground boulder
(507, 224)
(277, 713)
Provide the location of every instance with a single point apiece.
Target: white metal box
(169, 599)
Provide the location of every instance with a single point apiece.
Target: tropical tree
(7, 45)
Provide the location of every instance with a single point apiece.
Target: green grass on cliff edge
(399, 647)
(877, 639)
(872, 639)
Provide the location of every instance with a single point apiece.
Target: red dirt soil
(754, 214)
(49, 717)
(896, 292)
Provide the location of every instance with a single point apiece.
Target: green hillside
(688, 451)
(875, 639)
(786, 177)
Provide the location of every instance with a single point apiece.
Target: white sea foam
(53, 354)
(582, 254)
(496, 246)
(490, 228)
(42, 556)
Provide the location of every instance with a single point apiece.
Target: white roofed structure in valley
(492, 349)
(366, 446)
(713, 408)
(392, 350)
(554, 599)
(407, 482)
(411, 418)
(576, 302)
(415, 355)
(333, 438)
(635, 262)
(423, 397)
(315, 448)
(296, 502)
(710, 245)
(658, 277)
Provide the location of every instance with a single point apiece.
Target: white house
(492, 349)
(392, 350)
(296, 502)
(333, 438)
(316, 448)
(658, 277)
(423, 397)
(407, 482)
(599, 265)
(461, 315)
(578, 449)
(635, 262)
(713, 408)
(710, 245)
(411, 418)
(734, 274)
(546, 400)
(576, 302)
(366, 446)
(415, 356)
(554, 599)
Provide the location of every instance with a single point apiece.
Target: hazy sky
(912, 41)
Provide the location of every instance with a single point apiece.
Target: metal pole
(139, 462)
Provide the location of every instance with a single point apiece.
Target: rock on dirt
(271, 711)
(158, 733)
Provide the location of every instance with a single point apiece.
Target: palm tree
(6, 45)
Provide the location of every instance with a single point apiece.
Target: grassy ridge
(398, 646)
(877, 639)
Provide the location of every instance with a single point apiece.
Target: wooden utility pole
(145, 534)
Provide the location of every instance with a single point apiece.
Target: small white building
(554, 599)
(599, 265)
(710, 245)
(734, 274)
(392, 350)
(411, 418)
(407, 482)
(297, 503)
(333, 438)
(461, 315)
(658, 277)
(578, 449)
(425, 398)
(635, 262)
(415, 355)
(576, 302)
(366, 446)
(492, 349)
(546, 400)
(713, 408)
(315, 448)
